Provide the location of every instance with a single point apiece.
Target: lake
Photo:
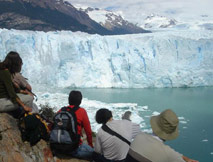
(193, 106)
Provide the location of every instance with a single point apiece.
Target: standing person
(151, 148)
(110, 148)
(83, 150)
(9, 100)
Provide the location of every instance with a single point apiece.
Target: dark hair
(102, 116)
(75, 98)
(12, 62)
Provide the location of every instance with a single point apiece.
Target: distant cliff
(12, 149)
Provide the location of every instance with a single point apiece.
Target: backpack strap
(74, 109)
(71, 109)
(110, 131)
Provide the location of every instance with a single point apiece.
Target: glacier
(76, 59)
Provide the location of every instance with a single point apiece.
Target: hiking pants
(7, 105)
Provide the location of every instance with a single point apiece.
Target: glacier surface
(68, 59)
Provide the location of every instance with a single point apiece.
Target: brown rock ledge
(12, 149)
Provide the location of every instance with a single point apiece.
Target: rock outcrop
(12, 149)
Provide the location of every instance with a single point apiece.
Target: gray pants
(7, 105)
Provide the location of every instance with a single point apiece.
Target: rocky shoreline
(13, 149)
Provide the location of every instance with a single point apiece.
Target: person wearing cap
(110, 148)
(151, 148)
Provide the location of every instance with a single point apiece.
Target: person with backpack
(65, 136)
(114, 137)
(9, 100)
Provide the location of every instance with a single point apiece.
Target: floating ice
(181, 118)
(155, 113)
(58, 100)
(183, 122)
(144, 108)
(205, 140)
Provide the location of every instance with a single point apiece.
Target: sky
(136, 10)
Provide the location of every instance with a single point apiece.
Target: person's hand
(188, 159)
(26, 92)
(28, 109)
(29, 93)
(191, 160)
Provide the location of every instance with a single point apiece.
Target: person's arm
(26, 92)
(135, 130)
(26, 108)
(87, 128)
(188, 159)
(176, 156)
(9, 86)
(28, 86)
(21, 81)
(11, 92)
(23, 91)
(97, 147)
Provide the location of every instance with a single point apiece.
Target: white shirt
(112, 147)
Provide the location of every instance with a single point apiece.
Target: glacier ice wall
(67, 59)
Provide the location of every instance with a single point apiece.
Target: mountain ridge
(111, 20)
(49, 15)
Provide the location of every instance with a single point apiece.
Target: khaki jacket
(147, 148)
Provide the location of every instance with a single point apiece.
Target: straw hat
(165, 125)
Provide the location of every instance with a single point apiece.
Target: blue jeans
(84, 151)
(100, 158)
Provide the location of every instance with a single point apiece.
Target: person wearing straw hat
(151, 148)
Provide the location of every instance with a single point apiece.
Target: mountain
(157, 21)
(111, 20)
(48, 15)
(45, 15)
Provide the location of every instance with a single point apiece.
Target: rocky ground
(12, 149)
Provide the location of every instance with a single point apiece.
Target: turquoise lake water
(194, 104)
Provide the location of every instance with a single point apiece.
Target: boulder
(13, 149)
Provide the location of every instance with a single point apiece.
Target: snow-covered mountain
(112, 21)
(190, 14)
(51, 15)
(67, 59)
(157, 21)
(46, 15)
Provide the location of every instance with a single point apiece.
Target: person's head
(75, 98)
(12, 62)
(165, 125)
(127, 115)
(103, 115)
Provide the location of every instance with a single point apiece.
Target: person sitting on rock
(22, 86)
(83, 151)
(109, 147)
(9, 100)
(151, 148)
